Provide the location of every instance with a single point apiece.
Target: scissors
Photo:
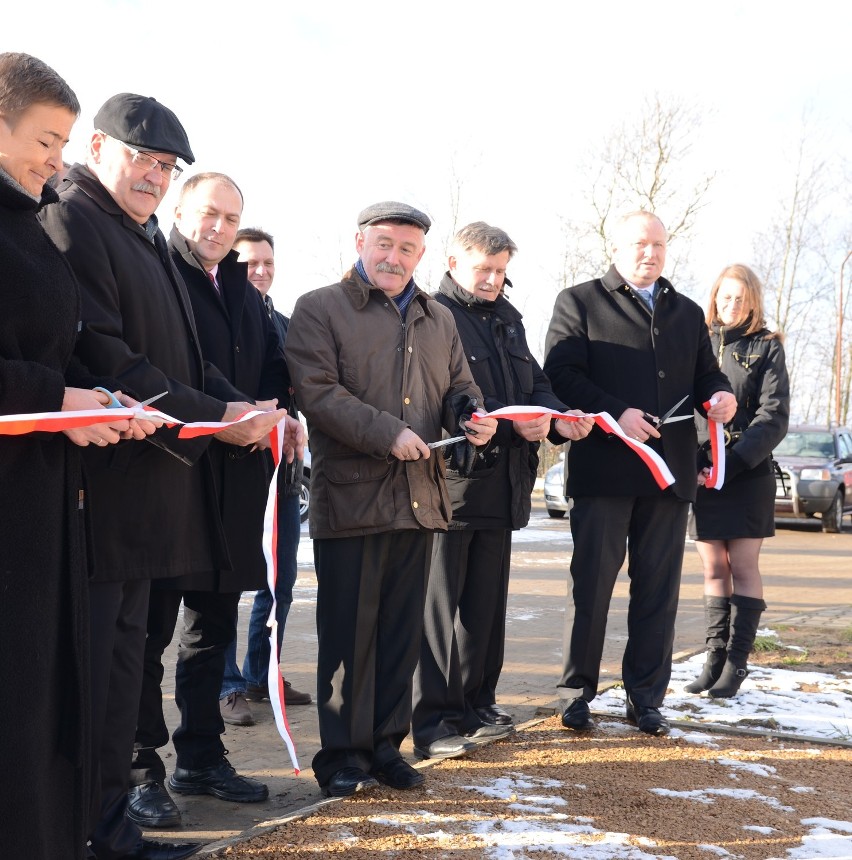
(440, 444)
(115, 403)
(667, 418)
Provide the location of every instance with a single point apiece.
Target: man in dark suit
(151, 513)
(630, 345)
(237, 336)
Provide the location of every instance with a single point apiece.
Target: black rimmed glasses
(150, 162)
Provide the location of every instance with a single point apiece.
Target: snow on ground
(809, 704)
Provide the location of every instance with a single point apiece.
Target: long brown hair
(752, 310)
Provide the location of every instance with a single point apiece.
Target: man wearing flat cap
(151, 506)
(379, 373)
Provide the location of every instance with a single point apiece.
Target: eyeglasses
(150, 162)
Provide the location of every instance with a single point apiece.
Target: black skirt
(743, 508)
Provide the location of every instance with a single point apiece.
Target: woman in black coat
(730, 524)
(44, 673)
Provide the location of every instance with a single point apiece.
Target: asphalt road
(804, 570)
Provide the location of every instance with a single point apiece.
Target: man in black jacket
(461, 654)
(152, 515)
(628, 344)
(256, 248)
(236, 334)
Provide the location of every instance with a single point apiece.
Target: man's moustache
(148, 188)
(390, 269)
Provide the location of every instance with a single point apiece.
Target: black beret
(390, 210)
(143, 122)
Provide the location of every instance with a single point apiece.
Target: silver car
(555, 500)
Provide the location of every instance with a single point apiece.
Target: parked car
(555, 500)
(305, 494)
(814, 475)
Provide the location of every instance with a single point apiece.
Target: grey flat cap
(143, 122)
(390, 210)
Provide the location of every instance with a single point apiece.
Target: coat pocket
(360, 492)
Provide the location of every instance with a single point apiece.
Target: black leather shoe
(347, 781)
(150, 806)
(147, 849)
(398, 773)
(451, 746)
(488, 732)
(577, 717)
(493, 715)
(647, 719)
(221, 781)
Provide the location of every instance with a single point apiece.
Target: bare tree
(645, 163)
(792, 257)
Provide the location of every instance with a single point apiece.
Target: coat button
(662, 374)
(656, 331)
(356, 475)
(415, 505)
(410, 349)
(237, 349)
(407, 401)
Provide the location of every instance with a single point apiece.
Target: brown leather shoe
(235, 710)
(292, 696)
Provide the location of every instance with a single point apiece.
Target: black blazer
(605, 353)
(238, 338)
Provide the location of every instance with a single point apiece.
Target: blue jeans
(256, 663)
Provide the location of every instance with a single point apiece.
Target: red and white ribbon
(716, 479)
(54, 422)
(657, 465)
(275, 683)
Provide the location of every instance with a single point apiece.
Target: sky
(317, 110)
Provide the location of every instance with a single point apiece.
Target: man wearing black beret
(152, 515)
(379, 372)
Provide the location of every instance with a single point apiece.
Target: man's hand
(252, 431)
(139, 427)
(409, 446)
(533, 430)
(479, 432)
(725, 409)
(635, 426)
(108, 433)
(294, 440)
(575, 430)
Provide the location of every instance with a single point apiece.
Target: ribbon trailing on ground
(657, 465)
(275, 683)
(716, 479)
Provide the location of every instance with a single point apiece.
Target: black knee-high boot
(717, 617)
(745, 617)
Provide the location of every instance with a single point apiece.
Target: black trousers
(461, 655)
(652, 529)
(119, 611)
(370, 595)
(209, 627)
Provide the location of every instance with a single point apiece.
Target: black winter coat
(607, 352)
(44, 661)
(153, 516)
(497, 493)
(237, 336)
(755, 365)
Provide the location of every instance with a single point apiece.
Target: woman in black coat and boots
(730, 524)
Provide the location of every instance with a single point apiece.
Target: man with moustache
(237, 336)
(379, 371)
(153, 512)
(630, 345)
